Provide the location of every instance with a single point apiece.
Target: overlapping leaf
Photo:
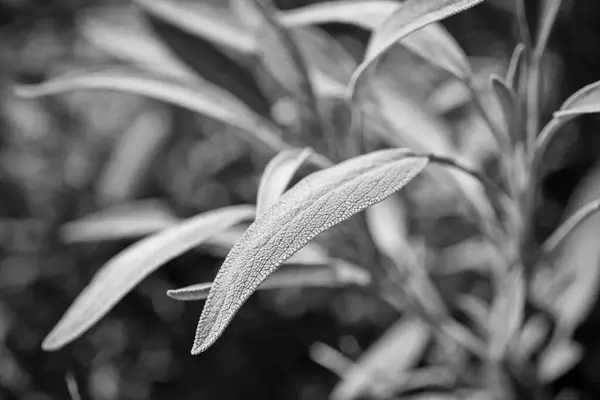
(277, 176)
(315, 204)
(410, 19)
(125, 270)
(334, 274)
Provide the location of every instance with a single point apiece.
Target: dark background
(141, 349)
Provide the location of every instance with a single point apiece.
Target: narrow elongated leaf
(205, 20)
(277, 176)
(411, 17)
(507, 99)
(337, 273)
(199, 96)
(585, 101)
(385, 362)
(515, 66)
(367, 14)
(506, 315)
(120, 31)
(315, 204)
(558, 359)
(123, 221)
(125, 270)
(388, 226)
(549, 10)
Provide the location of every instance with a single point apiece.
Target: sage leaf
(386, 362)
(337, 273)
(584, 101)
(410, 17)
(558, 359)
(366, 14)
(507, 99)
(123, 221)
(121, 32)
(125, 270)
(205, 20)
(549, 10)
(277, 176)
(198, 95)
(318, 202)
(514, 72)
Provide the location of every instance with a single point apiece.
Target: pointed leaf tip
(125, 270)
(318, 202)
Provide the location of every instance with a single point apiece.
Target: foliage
(392, 141)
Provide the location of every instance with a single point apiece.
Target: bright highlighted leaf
(128, 268)
(205, 20)
(199, 96)
(549, 10)
(277, 176)
(367, 14)
(585, 101)
(338, 273)
(383, 365)
(411, 17)
(315, 204)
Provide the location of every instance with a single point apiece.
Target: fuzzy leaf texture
(277, 176)
(337, 274)
(411, 17)
(125, 270)
(315, 204)
(197, 95)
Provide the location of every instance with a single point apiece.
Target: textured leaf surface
(337, 273)
(409, 19)
(123, 221)
(205, 20)
(277, 176)
(125, 270)
(315, 204)
(199, 96)
(367, 14)
(383, 364)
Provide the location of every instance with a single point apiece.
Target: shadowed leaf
(337, 273)
(318, 202)
(507, 99)
(409, 19)
(277, 176)
(125, 270)
(386, 362)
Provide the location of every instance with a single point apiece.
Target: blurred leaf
(132, 156)
(522, 21)
(277, 176)
(534, 331)
(203, 19)
(121, 31)
(329, 358)
(549, 9)
(125, 270)
(367, 14)
(515, 66)
(199, 96)
(387, 223)
(247, 13)
(383, 367)
(234, 76)
(558, 359)
(578, 253)
(507, 99)
(585, 101)
(317, 203)
(476, 310)
(506, 314)
(407, 24)
(123, 221)
(336, 274)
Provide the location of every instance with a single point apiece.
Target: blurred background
(64, 157)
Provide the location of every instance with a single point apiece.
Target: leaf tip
(26, 91)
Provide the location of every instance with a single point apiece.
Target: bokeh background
(61, 158)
